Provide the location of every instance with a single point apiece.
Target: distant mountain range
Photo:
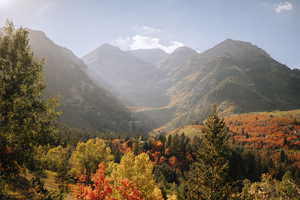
(179, 88)
(134, 80)
(84, 104)
(114, 90)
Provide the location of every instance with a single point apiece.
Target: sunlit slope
(83, 103)
(260, 131)
(238, 76)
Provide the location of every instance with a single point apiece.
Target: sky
(83, 25)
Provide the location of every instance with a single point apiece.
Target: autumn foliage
(102, 188)
(267, 131)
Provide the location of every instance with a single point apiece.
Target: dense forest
(241, 157)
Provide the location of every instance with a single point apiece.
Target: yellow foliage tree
(137, 169)
(87, 155)
(55, 158)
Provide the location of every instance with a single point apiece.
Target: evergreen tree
(26, 118)
(208, 176)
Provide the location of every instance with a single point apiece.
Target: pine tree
(26, 118)
(208, 176)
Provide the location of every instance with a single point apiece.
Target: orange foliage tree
(103, 189)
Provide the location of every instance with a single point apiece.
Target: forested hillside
(273, 133)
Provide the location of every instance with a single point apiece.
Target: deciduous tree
(137, 169)
(87, 155)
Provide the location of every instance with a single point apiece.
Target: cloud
(122, 43)
(147, 30)
(150, 30)
(283, 6)
(27, 12)
(146, 42)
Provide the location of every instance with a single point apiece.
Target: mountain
(152, 56)
(83, 103)
(135, 81)
(177, 59)
(236, 75)
(175, 63)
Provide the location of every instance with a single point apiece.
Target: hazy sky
(83, 25)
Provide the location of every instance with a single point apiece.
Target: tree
(56, 158)
(26, 118)
(208, 176)
(87, 155)
(138, 170)
(287, 188)
(271, 189)
(102, 188)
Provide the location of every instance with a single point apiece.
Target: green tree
(270, 189)
(287, 188)
(209, 174)
(137, 169)
(87, 155)
(26, 118)
(56, 158)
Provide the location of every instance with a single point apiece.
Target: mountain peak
(108, 46)
(178, 58)
(235, 42)
(236, 48)
(185, 50)
(104, 49)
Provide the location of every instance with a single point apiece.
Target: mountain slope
(135, 81)
(236, 75)
(259, 131)
(152, 56)
(84, 104)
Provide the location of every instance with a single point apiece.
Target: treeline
(176, 167)
(107, 166)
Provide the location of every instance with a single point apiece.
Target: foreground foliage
(132, 179)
